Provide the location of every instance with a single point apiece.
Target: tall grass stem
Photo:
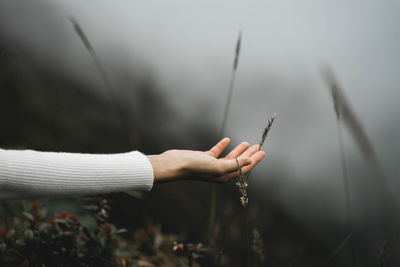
(227, 104)
(346, 186)
(213, 202)
(103, 74)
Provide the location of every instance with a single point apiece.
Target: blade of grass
(125, 125)
(231, 86)
(339, 248)
(346, 186)
(213, 202)
(388, 206)
(345, 114)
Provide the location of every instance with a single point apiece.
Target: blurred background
(169, 64)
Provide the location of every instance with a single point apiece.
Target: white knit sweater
(27, 173)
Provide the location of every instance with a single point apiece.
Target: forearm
(26, 173)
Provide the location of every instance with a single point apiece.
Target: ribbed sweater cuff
(33, 173)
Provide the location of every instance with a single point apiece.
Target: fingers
(256, 158)
(250, 152)
(229, 165)
(216, 150)
(237, 151)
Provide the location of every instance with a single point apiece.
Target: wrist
(165, 169)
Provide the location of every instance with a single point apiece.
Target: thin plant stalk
(213, 204)
(356, 129)
(346, 186)
(103, 74)
(263, 137)
(242, 185)
(387, 204)
(266, 130)
(339, 248)
(231, 86)
(246, 178)
(78, 29)
(247, 238)
(227, 104)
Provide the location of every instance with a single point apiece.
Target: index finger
(237, 151)
(216, 150)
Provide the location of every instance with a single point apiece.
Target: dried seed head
(242, 186)
(237, 51)
(80, 33)
(266, 130)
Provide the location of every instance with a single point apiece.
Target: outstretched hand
(205, 165)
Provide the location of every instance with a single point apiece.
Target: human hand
(205, 165)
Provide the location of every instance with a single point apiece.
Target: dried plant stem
(242, 185)
(110, 90)
(266, 130)
(213, 204)
(231, 85)
(263, 137)
(96, 59)
(228, 104)
(339, 248)
(387, 206)
(346, 186)
(345, 114)
(244, 179)
(213, 210)
(248, 239)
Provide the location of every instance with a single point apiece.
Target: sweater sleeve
(27, 173)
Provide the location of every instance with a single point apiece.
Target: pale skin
(176, 164)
